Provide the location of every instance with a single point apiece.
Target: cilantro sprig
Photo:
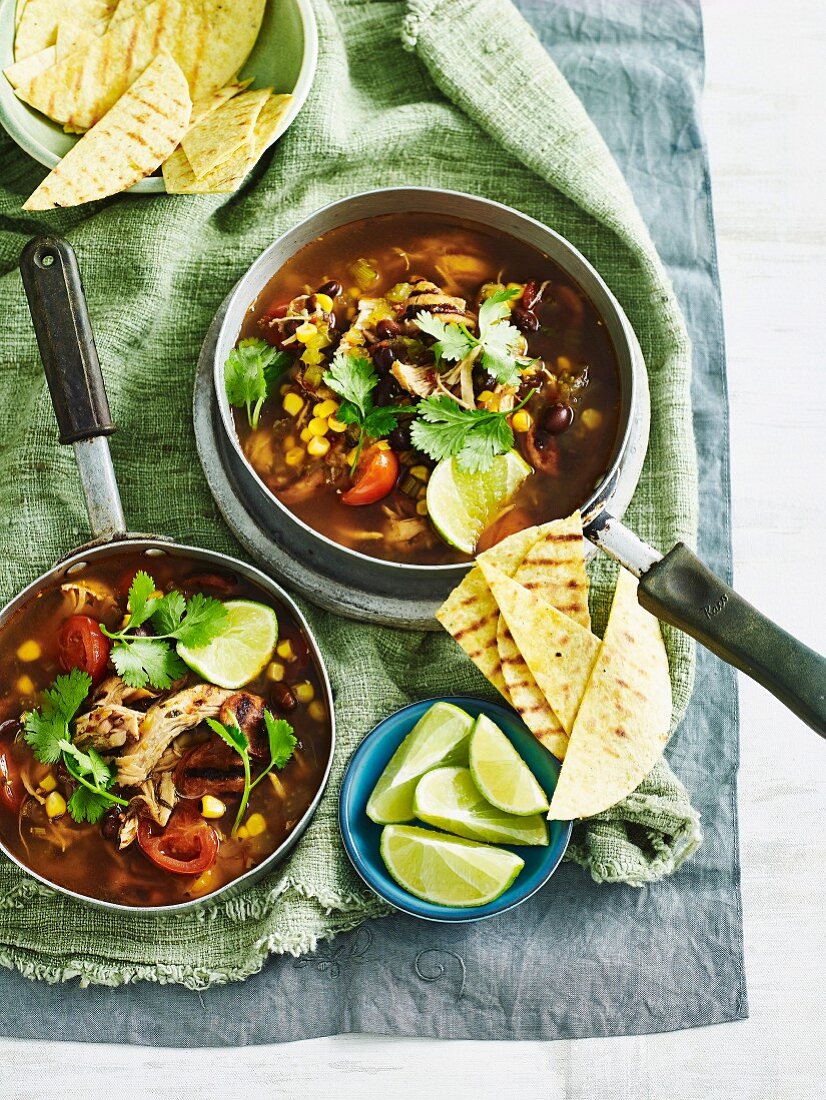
(474, 437)
(282, 742)
(250, 374)
(142, 660)
(48, 732)
(354, 379)
(496, 345)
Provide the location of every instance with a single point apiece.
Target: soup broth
(566, 432)
(86, 857)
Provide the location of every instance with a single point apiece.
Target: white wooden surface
(765, 96)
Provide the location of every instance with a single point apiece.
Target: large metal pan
(677, 587)
(67, 348)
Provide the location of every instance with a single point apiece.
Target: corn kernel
(324, 301)
(285, 389)
(521, 420)
(256, 824)
(351, 455)
(203, 882)
(421, 473)
(242, 832)
(306, 332)
(25, 686)
(285, 649)
(304, 692)
(293, 403)
(484, 397)
(591, 418)
(295, 456)
(317, 711)
(382, 445)
(317, 426)
(563, 362)
(289, 441)
(29, 651)
(421, 507)
(48, 783)
(353, 292)
(325, 408)
(275, 671)
(336, 425)
(55, 805)
(212, 807)
(318, 447)
(306, 435)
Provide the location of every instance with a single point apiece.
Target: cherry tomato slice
(186, 846)
(12, 791)
(81, 644)
(376, 476)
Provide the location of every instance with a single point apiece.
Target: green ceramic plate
(284, 56)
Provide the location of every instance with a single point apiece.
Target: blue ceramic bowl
(361, 835)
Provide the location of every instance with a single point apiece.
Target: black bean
(283, 697)
(387, 329)
(332, 289)
(399, 439)
(110, 823)
(383, 356)
(524, 319)
(387, 389)
(556, 419)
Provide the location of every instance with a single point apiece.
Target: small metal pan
(53, 287)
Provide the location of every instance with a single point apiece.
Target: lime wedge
(500, 773)
(449, 799)
(439, 737)
(447, 870)
(461, 505)
(241, 650)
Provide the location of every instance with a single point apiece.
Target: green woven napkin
(472, 103)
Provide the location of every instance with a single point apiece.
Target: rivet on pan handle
(51, 279)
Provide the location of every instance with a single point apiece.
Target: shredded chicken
(420, 381)
(430, 298)
(112, 721)
(156, 799)
(161, 725)
(89, 598)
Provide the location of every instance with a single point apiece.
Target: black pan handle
(51, 279)
(680, 590)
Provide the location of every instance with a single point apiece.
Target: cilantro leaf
(381, 421)
(94, 777)
(282, 740)
(444, 429)
(168, 613)
(235, 737)
(453, 342)
(495, 309)
(45, 729)
(354, 378)
(141, 601)
(205, 617)
(142, 661)
(86, 805)
(250, 373)
(89, 763)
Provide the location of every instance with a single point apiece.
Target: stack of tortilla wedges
(146, 83)
(603, 707)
